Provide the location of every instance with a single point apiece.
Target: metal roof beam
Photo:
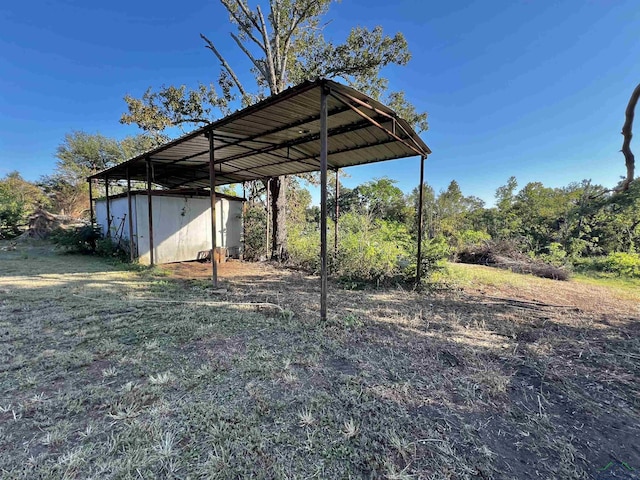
(377, 124)
(309, 138)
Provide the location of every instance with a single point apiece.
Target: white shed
(181, 223)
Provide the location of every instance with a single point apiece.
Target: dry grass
(509, 378)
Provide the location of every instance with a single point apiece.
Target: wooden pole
(106, 194)
(323, 202)
(212, 195)
(150, 212)
(92, 217)
(419, 259)
(130, 211)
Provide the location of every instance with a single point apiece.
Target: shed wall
(119, 213)
(181, 225)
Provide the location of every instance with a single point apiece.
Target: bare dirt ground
(508, 376)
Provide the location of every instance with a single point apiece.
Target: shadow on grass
(395, 383)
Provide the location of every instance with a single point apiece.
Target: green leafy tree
(381, 199)
(82, 154)
(429, 210)
(18, 199)
(285, 46)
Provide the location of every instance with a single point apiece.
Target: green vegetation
(551, 231)
(18, 200)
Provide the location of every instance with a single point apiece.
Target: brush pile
(42, 223)
(506, 255)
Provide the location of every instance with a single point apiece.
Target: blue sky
(535, 89)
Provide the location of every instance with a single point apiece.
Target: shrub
(304, 247)
(471, 237)
(369, 251)
(78, 240)
(623, 264)
(434, 252)
(556, 255)
(254, 231)
(372, 250)
(88, 240)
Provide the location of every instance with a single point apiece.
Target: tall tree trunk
(278, 192)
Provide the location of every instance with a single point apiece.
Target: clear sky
(535, 89)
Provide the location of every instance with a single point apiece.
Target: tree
(80, 155)
(18, 199)
(381, 199)
(285, 47)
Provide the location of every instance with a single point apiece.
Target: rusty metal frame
(338, 96)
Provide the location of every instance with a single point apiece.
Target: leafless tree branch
(628, 135)
(246, 28)
(225, 65)
(248, 54)
(269, 53)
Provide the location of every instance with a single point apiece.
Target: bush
(434, 252)
(471, 237)
(372, 250)
(254, 220)
(369, 251)
(77, 240)
(617, 263)
(556, 255)
(88, 240)
(304, 247)
(623, 264)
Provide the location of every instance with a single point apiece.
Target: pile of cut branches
(43, 223)
(506, 255)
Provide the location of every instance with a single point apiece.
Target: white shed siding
(181, 225)
(119, 213)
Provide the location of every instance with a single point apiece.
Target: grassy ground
(109, 373)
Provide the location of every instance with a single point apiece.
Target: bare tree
(628, 135)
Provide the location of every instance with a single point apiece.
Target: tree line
(66, 190)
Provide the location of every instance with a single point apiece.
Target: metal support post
(130, 211)
(150, 212)
(212, 195)
(420, 201)
(323, 202)
(92, 217)
(106, 194)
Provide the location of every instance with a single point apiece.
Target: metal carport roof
(317, 125)
(279, 136)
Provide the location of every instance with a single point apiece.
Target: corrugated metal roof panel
(280, 136)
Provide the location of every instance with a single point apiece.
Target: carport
(315, 126)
